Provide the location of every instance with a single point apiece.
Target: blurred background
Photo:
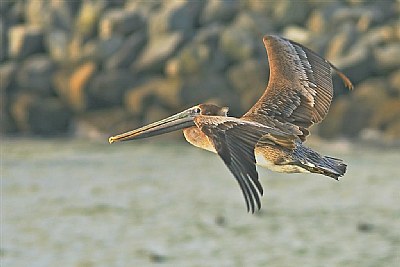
(73, 73)
(93, 68)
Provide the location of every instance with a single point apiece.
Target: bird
(272, 133)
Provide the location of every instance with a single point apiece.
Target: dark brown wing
(235, 140)
(299, 90)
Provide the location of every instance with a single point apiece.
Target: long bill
(175, 122)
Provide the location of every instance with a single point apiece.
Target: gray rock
(99, 124)
(332, 125)
(364, 16)
(319, 19)
(372, 93)
(72, 87)
(3, 41)
(387, 57)
(35, 75)
(209, 35)
(128, 51)
(193, 58)
(210, 88)
(57, 45)
(367, 99)
(61, 15)
(7, 86)
(20, 109)
(49, 116)
(25, 41)
(105, 48)
(157, 52)
(249, 79)
(7, 124)
(219, 11)
(175, 15)
(341, 42)
(243, 38)
(8, 72)
(146, 8)
(357, 64)
(236, 44)
(282, 12)
(394, 81)
(120, 22)
(298, 34)
(37, 13)
(107, 88)
(87, 18)
(40, 116)
(156, 91)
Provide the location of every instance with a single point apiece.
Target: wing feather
(300, 89)
(235, 140)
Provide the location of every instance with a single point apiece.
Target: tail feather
(328, 166)
(316, 163)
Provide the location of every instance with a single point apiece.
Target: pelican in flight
(272, 132)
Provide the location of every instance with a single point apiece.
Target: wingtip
(344, 78)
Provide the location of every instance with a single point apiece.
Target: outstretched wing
(235, 140)
(299, 90)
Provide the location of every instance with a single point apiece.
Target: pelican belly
(198, 139)
(267, 161)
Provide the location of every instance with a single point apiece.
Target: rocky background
(93, 68)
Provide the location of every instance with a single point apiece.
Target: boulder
(20, 108)
(370, 96)
(394, 81)
(105, 48)
(209, 88)
(72, 87)
(156, 91)
(3, 41)
(249, 79)
(193, 58)
(48, 116)
(120, 22)
(341, 42)
(357, 64)
(386, 115)
(387, 57)
(332, 125)
(157, 52)
(35, 75)
(319, 18)
(8, 72)
(107, 88)
(219, 11)
(175, 15)
(298, 34)
(7, 89)
(56, 42)
(237, 44)
(99, 124)
(40, 116)
(281, 12)
(243, 38)
(37, 13)
(87, 18)
(25, 41)
(128, 52)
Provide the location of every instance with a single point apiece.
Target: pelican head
(181, 120)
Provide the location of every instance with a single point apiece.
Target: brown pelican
(272, 132)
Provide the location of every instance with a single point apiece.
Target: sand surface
(78, 203)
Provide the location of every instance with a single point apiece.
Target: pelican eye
(197, 110)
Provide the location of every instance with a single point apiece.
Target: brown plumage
(272, 132)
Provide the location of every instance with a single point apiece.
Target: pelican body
(272, 132)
